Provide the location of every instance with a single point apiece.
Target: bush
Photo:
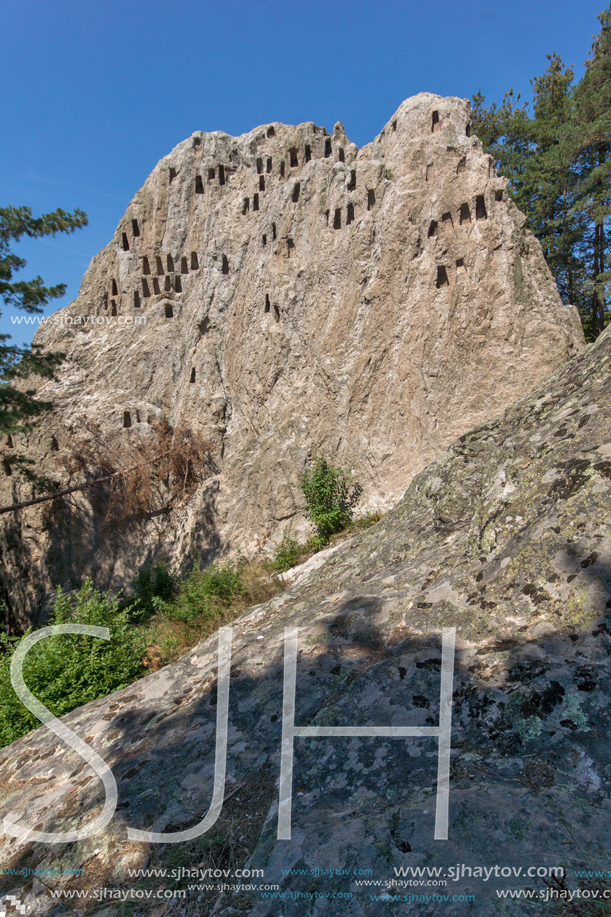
(205, 593)
(67, 671)
(287, 554)
(290, 552)
(315, 544)
(153, 587)
(329, 496)
(207, 599)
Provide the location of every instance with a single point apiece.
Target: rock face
(505, 538)
(284, 292)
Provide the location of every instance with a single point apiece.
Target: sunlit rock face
(284, 292)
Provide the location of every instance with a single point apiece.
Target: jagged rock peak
(284, 292)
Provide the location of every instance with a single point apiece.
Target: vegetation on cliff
(67, 671)
(330, 498)
(166, 615)
(164, 619)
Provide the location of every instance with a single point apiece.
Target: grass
(184, 614)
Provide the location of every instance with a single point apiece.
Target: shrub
(287, 554)
(207, 599)
(153, 587)
(205, 593)
(315, 543)
(329, 496)
(67, 671)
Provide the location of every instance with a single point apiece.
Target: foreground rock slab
(284, 292)
(506, 538)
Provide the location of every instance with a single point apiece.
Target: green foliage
(290, 552)
(153, 587)
(314, 544)
(593, 168)
(330, 498)
(556, 153)
(205, 593)
(67, 671)
(203, 601)
(31, 296)
(287, 554)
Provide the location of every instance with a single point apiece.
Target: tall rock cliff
(283, 292)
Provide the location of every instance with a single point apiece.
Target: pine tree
(593, 119)
(504, 133)
(556, 154)
(552, 177)
(535, 151)
(486, 121)
(16, 405)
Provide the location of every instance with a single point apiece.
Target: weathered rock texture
(285, 292)
(505, 537)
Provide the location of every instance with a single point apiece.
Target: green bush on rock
(287, 554)
(206, 593)
(154, 585)
(67, 671)
(330, 498)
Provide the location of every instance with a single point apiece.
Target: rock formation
(506, 538)
(284, 292)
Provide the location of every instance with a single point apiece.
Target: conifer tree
(593, 119)
(556, 154)
(554, 217)
(18, 406)
(535, 152)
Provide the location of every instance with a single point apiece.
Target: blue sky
(95, 92)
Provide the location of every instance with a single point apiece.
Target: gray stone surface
(428, 310)
(504, 537)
